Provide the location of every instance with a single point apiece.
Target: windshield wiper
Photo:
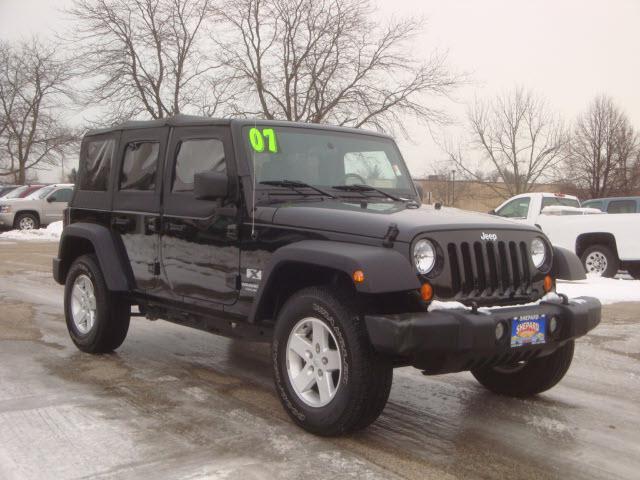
(294, 185)
(360, 187)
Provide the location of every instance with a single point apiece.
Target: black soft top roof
(194, 120)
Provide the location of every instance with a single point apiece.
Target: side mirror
(52, 198)
(492, 212)
(210, 185)
(420, 190)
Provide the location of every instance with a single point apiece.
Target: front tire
(328, 377)
(601, 261)
(97, 319)
(26, 221)
(533, 377)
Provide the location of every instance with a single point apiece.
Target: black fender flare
(385, 269)
(567, 265)
(107, 248)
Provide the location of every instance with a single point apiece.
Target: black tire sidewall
(612, 260)
(86, 265)
(314, 419)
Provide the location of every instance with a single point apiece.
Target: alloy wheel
(314, 363)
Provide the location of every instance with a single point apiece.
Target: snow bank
(607, 290)
(50, 234)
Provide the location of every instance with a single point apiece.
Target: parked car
(313, 238)
(615, 204)
(22, 191)
(528, 206)
(5, 189)
(605, 243)
(42, 207)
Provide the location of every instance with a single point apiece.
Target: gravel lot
(178, 403)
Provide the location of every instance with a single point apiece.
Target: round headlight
(424, 256)
(538, 252)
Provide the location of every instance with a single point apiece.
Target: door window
(518, 208)
(62, 195)
(196, 156)
(140, 166)
(96, 165)
(622, 206)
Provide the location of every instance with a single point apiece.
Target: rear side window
(96, 166)
(518, 208)
(622, 206)
(559, 201)
(195, 156)
(140, 166)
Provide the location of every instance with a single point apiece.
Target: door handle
(176, 227)
(121, 222)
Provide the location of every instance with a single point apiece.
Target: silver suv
(42, 207)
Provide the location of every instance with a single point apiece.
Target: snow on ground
(49, 234)
(607, 290)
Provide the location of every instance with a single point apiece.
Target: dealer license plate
(528, 330)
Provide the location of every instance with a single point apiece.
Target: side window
(139, 166)
(622, 206)
(195, 156)
(518, 208)
(96, 164)
(62, 195)
(597, 205)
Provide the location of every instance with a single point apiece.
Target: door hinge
(238, 282)
(154, 268)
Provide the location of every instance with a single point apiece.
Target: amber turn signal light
(358, 276)
(548, 283)
(426, 292)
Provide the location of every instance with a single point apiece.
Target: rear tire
(360, 378)
(26, 221)
(634, 271)
(600, 260)
(97, 319)
(535, 376)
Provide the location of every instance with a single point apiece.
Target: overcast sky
(566, 50)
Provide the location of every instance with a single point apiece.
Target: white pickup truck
(605, 243)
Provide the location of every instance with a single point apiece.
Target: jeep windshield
(329, 160)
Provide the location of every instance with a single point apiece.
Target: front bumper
(6, 220)
(455, 340)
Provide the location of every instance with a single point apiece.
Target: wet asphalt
(178, 403)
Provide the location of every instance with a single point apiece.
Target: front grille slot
(492, 269)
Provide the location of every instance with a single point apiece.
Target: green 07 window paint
(257, 139)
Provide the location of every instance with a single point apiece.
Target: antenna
(253, 190)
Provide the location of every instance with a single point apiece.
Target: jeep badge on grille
(489, 236)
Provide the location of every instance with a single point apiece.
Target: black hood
(373, 219)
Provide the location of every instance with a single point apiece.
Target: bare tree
(147, 56)
(329, 61)
(517, 136)
(604, 149)
(33, 84)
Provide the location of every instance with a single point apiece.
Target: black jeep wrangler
(312, 238)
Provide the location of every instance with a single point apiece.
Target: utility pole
(453, 188)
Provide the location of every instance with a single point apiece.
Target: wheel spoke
(320, 336)
(333, 360)
(300, 345)
(325, 387)
(305, 379)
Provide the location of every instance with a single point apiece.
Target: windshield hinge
(390, 236)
